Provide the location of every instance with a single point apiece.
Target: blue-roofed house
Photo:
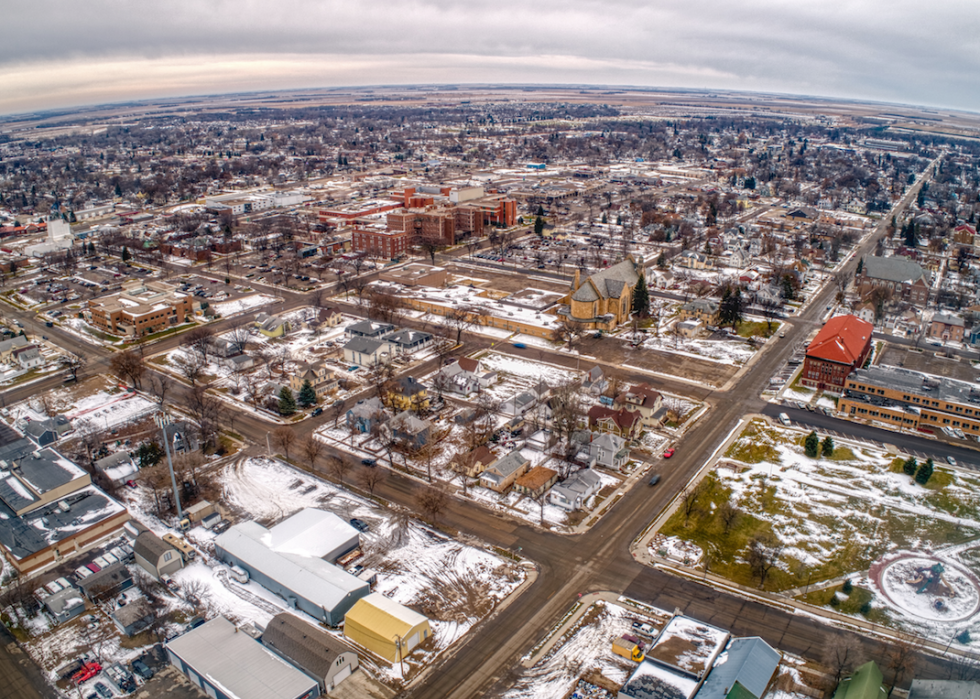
(743, 671)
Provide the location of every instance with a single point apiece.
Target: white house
(572, 493)
(364, 351)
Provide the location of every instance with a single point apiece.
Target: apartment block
(141, 308)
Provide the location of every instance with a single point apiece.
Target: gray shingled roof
(311, 648)
(608, 282)
(363, 345)
(749, 661)
(894, 269)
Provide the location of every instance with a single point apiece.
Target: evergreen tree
(789, 291)
(149, 454)
(641, 298)
(605, 219)
(287, 404)
(538, 226)
(730, 309)
(910, 466)
(924, 473)
(827, 446)
(811, 445)
(307, 394)
(125, 254)
(662, 261)
(860, 266)
(909, 233)
(118, 190)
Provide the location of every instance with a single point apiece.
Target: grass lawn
(757, 329)
(832, 515)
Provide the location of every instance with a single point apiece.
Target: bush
(811, 445)
(964, 637)
(834, 601)
(847, 586)
(866, 608)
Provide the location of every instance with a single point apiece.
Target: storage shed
(386, 628)
(226, 664)
(156, 556)
(318, 653)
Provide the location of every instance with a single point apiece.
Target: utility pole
(162, 420)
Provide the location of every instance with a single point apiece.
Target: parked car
(142, 669)
(784, 418)
(669, 453)
(360, 525)
(131, 483)
(103, 691)
(88, 671)
(317, 412)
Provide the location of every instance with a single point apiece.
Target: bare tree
(73, 363)
(461, 319)
(240, 333)
(729, 514)
(371, 477)
(200, 340)
(764, 554)
(431, 500)
(901, 657)
(691, 499)
(842, 655)
(338, 467)
(206, 410)
(312, 448)
(384, 305)
(128, 366)
(283, 437)
(158, 386)
(190, 365)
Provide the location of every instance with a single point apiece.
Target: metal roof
(308, 646)
(751, 662)
(384, 616)
(944, 689)
(237, 664)
(317, 581)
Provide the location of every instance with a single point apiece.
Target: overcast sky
(58, 53)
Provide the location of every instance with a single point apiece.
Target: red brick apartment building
(841, 346)
(377, 243)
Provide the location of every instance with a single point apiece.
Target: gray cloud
(898, 51)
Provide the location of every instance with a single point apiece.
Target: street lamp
(162, 420)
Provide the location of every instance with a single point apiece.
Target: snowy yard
(819, 519)
(516, 374)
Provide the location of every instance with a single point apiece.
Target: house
(519, 404)
(464, 376)
(622, 422)
(364, 351)
(7, 347)
(865, 683)
(642, 399)
(947, 327)
(322, 379)
(156, 556)
(866, 312)
(572, 493)
(105, 583)
(314, 651)
(118, 467)
(408, 341)
(386, 628)
(744, 671)
(272, 326)
(740, 258)
(904, 278)
(536, 482)
(605, 299)
(406, 393)
(65, 604)
(49, 431)
(502, 473)
(841, 346)
(27, 357)
(294, 560)
(226, 663)
(704, 310)
(609, 450)
(409, 430)
(595, 381)
(132, 618)
(474, 462)
(365, 415)
(236, 362)
(223, 348)
(369, 329)
(328, 318)
(691, 260)
(944, 689)
(689, 328)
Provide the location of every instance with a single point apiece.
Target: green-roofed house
(865, 683)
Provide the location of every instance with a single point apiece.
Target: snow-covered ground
(517, 374)
(105, 409)
(587, 647)
(731, 351)
(246, 303)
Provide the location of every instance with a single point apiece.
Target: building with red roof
(841, 346)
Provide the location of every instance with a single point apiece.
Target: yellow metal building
(384, 627)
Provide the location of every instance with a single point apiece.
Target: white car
(784, 418)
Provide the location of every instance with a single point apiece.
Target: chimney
(576, 283)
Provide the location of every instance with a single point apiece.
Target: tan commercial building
(911, 400)
(141, 308)
(384, 627)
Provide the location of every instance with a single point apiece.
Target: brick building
(141, 308)
(838, 349)
(431, 224)
(376, 243)
(904, 278)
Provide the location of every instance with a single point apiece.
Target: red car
(88, 671)
(131, 483)
(669, 453)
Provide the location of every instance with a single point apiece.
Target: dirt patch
(619, 353)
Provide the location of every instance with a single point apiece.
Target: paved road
(20, 678)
